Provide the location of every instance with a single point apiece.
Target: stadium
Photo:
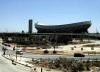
(79, 27)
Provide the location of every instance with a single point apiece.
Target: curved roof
(64, 28)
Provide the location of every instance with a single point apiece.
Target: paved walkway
(21, 64)
(29, 67)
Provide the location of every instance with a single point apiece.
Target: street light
(41, 69)
(55, 43)
(16, 55)
(4, 50)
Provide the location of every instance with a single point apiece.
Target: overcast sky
(14, 14)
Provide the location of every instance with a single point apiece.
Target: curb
(18, 62)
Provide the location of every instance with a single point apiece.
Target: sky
(14, 14)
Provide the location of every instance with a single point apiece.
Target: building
(30, 26)
(80, 27)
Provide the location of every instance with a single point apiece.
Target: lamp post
(55, 43)
(16, 55)
(4, 50)
(41, 69)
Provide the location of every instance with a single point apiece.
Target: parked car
(79, 55)
(19, 52)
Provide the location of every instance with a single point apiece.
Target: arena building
(79, 27)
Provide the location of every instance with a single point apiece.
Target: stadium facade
(79, 27)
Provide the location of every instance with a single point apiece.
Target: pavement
(30, 67)
(21, 63)
(22, 66)
(7, 66)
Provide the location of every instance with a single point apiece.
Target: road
(53, 57)
(6, 65)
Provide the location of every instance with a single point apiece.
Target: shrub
(54, 52)
(46, 51)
